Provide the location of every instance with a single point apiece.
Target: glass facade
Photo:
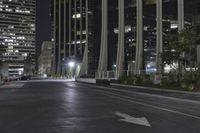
(72, 32)
(159, 20)
(17, 34)
(169, 25)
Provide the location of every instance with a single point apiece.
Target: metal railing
(115, 74)
(106, 75)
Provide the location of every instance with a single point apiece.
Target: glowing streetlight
(71, 64)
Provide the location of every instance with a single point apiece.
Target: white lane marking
(156, 89)
(130, 119)
(53, 80)
(159, 96)
(145, 94)
(148, 105)
(129, 99)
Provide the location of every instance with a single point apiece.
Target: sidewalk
(7, 85)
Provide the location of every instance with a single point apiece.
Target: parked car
(26, 77)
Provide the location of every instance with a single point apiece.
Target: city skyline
(99, 33)
(91, 66)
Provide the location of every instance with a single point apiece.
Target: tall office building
(45, 59)
(119, 35)
(76, 29)
(17, 35)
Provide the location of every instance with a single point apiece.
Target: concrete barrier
(93, 81)
(87, 80)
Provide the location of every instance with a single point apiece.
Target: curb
(155, 89)
(93, 81)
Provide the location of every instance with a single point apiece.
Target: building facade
(45, 59)
(118, 35)
(17, 35)
(76, 29)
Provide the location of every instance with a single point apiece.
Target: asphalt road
(69, 107)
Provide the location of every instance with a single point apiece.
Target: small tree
(181, 49)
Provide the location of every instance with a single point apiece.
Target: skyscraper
(76, 29)
(119, 35)
(17, 35)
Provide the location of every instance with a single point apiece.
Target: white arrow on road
(130, 119)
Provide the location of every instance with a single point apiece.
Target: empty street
(71, 107)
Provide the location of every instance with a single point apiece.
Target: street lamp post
(71, 65)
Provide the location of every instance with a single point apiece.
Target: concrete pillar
(70, 27)
(180, 15)
(120, 46)
(139, 38)
(59, 39)
(181, 25)
(65, 30)
(159, 35)
(64, 38)
(54, 47)
(81, 26)
(87, 39)
(103, 58)
(75, 27)
(84, 65)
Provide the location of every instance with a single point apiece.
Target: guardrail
(114, 74)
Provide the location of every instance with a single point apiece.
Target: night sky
(43, 23)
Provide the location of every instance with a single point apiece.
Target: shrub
(122, 79)
(146, 80)
(188, 82)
